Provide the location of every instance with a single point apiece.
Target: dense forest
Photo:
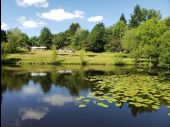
(145, 36)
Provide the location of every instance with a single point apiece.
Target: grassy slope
(45, 57)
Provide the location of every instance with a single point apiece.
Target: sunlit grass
(45, 57)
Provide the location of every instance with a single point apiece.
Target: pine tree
(122, 18)
(136, 17)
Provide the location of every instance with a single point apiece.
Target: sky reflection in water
(48, 98)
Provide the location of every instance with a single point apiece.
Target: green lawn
(45, 57)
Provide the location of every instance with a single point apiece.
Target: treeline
(146, 35)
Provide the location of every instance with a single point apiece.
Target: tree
(114, 36)
(97, 38)
(109, 37)
(33, 41)
(60, 40)
(146, 39)
(3, 36)
(153, 13)
(164, 56)
(15, 38)
(5, 49)
(25, 40)
(122, 18)
(45, 38)
(71, 31)
(167, 21)
(73, 28)
(141, 14)
(136, 17)
(131, 44)
(79, 39)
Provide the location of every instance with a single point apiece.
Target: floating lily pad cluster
(140, 91)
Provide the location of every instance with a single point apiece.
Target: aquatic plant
(102, 105)
(140, 91)
(82, 105)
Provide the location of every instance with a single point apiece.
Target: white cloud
(30, 90)
(79, 12)
(37, 3)
(30, 23)
(4, 26)
(57, 99)
(29, 113)
(95, 19)
(61, 14)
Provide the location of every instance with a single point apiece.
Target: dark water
(42, 97)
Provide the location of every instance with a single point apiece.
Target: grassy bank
(45, 57)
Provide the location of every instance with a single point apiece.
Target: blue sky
(31, 15)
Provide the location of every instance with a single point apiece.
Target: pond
(90, 96)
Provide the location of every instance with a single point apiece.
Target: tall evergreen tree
(142, 14)
(122, 18)
(136, 17)
(45, 38)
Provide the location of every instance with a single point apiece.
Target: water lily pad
(155, 107)
(86, 100)
(82, 105)
(94, 102)
(118, 104)
(102, 105)
(80, 98)
(168, 106)
(138, 90)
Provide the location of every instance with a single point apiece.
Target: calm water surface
(46, 97)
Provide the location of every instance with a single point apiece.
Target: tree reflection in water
(73, 80)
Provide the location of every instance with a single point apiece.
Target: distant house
(38, 48)
(66, 50)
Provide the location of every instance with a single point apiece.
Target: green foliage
(164, 56)
(141, 14)
(114, 36)
(136, 17)
(82, 54)
(54, 54)
(33, 41)
(60, 40)
(119, 60)
(97, 38)
(45, 38)
(167, 21)
(80, 39)
(25, 41)
(73, 28)
(144, 42)
(5, 49)
(16, 39)
(71, 32)
(3, 36)
(122, 18)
